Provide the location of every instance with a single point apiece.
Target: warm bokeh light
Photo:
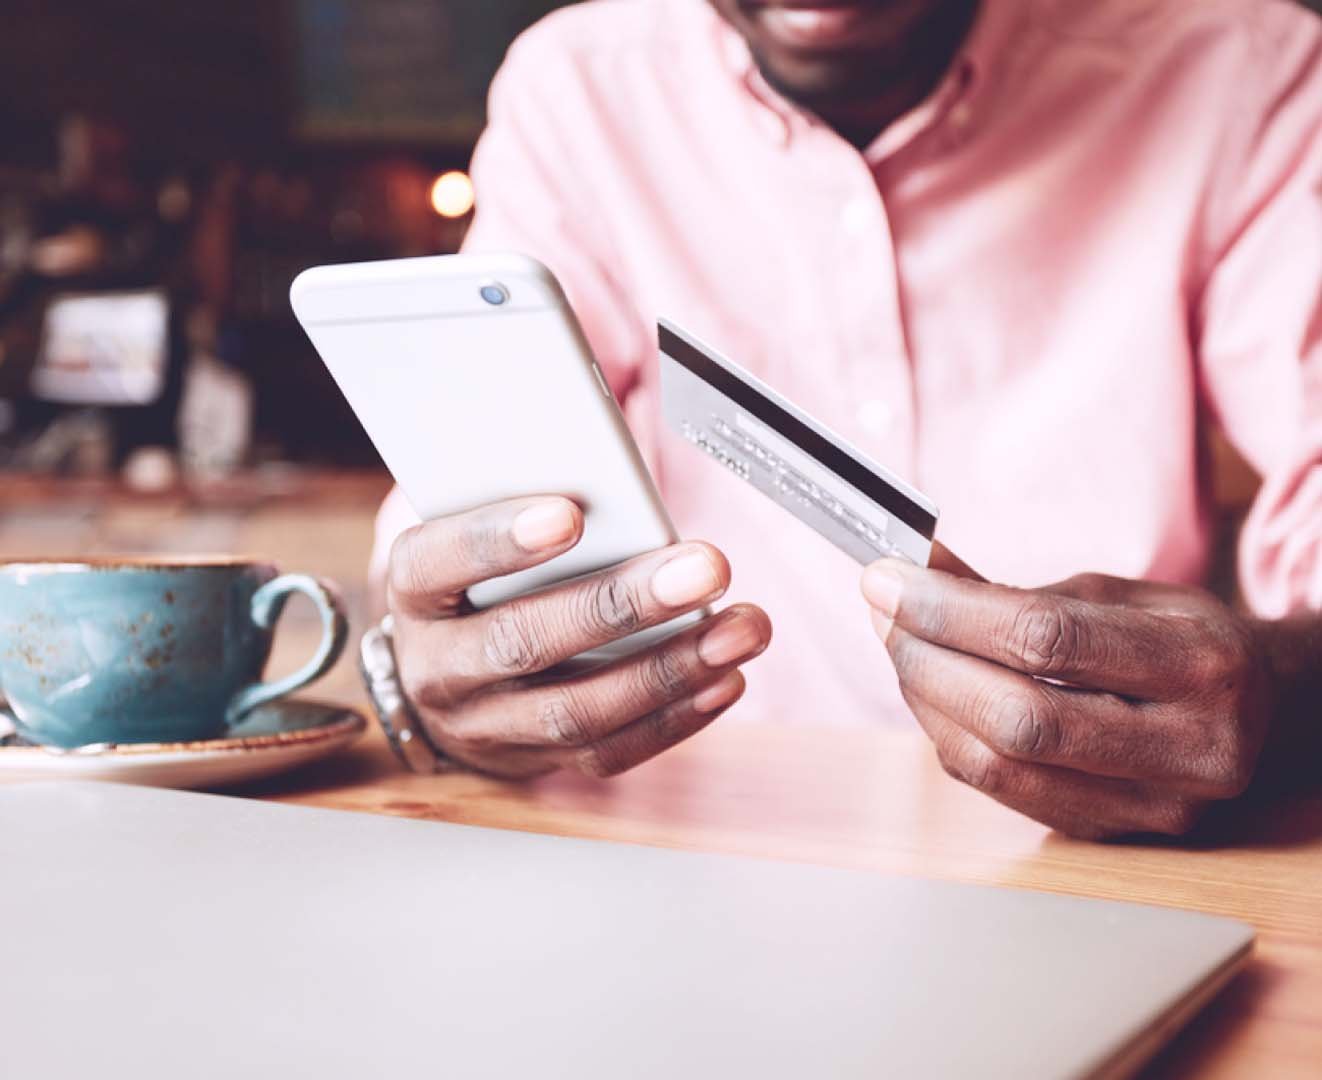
(452, 194)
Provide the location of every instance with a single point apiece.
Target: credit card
(797, 462)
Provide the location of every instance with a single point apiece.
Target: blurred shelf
(285, 485)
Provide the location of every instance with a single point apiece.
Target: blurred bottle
(216, 410)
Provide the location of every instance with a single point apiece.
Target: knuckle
(1228, 652)
(951, 766)
(600, 760)
(934, 619)
(1241, 661)
(905, 656)
(610, 606)
(663, 676)
(1092, 831)
(1023, 724)
(1221, 662)
(986, 770)
(471, 745)
(478, 547)
(1228, 774)
(1091, 586)
(898, 647)
(1223, 761)
(667, 726)
(408, 568)
(421, 689)
(1177, 817)
(461, 733)
(438, 731)
(977, 766)
(510, 645)
(560, 719)
(420, 683)
(1046, 637)
(1207, 665)
(611, 756)
(1237, 779)
(914, 703)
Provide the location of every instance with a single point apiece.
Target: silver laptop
(152, 933)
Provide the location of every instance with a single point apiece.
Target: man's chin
(838, 52)
(818, 81)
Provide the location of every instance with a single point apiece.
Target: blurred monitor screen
(402, 70)
(103, 349)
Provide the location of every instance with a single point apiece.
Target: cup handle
(268, 603)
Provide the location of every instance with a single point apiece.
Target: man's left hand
(1098, 706)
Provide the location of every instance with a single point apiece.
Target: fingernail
(720, 694)
(735, 638)
(685, 580)
(882, 585)
(544, 525)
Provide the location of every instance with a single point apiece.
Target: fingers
(1027, 720)
(632, 745)
(471, 677)
(1088, 807)
(1039, 633)
(530, 634)
(657, 732)
(431, 565)
(569, 718)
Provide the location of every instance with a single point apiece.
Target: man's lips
(819, 26)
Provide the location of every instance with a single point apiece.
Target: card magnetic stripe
(820, 449)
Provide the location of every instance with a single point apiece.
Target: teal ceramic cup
(139, 650)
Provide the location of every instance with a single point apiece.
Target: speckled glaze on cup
(139, 650)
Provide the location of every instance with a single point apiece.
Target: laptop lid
(169, 934)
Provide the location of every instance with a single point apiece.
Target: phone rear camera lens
(495, 295)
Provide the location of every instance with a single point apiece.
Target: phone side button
(601, 380)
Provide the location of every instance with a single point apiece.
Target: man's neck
(860, 118)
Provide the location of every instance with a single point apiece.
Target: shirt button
(875, 416)
(857, 215)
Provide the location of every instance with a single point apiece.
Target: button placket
(877, 388)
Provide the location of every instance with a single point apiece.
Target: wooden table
(878, 800)
(868, 799)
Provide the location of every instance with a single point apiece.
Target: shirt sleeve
(1259, 327)
(534, 198)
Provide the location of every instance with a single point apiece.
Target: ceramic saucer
(274, 739)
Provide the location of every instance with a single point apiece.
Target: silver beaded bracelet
(403, 728)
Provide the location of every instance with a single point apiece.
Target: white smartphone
(473, 379)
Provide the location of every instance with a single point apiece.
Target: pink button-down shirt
(1029, 296)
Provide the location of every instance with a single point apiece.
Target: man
(1020, 251)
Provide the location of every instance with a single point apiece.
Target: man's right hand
(482, 683)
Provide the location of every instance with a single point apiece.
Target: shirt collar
(970, 74)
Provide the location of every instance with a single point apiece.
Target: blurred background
(167, 168)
